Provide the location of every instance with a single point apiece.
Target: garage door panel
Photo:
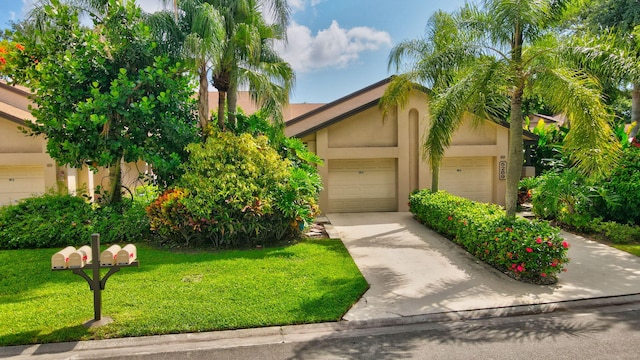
(468, 177)
(19, 182)
(362, 185)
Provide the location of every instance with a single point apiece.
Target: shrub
(528, 251)
(237, 191)
(46, 221)
(624, 183)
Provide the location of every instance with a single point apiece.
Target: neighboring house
(373, 164)
(558, 120)
(25, 167)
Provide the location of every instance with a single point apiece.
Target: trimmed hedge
(529, 251)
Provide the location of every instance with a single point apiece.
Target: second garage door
(19, 182)
(469, 177)
(362, 185)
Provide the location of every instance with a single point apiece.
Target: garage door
(19, 182)
(362, 185)
(468, 177)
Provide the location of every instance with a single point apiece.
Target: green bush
(237, 191)
(528, 251)
(46, 221)
(624, 184)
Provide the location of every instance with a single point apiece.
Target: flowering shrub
(528, 251)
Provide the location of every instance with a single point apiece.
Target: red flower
(450, 218)
(529, 250)
(539, 241)
(2, 61)
(514, 266)
(565, 244)
(549, 243)
(520, 268)
(543, 275)
(508, 229)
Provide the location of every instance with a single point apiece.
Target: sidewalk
(414, 271)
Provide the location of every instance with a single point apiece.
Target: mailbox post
(60, 261)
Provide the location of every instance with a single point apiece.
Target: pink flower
(520, 268)
(514, 266)
(549, 243)
(539, 241)
(543, 275)
(565, 244)
(529, 250)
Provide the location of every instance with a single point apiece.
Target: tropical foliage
(240, 190)
(494, 57)
(526, 250)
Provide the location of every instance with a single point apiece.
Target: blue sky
(336, 47)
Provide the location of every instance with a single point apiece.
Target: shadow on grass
(57, 340)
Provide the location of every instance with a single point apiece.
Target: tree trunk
(635, 109)
(222, 95)
(516, 156)
(435, 178)
(115, 182)
(203, 98)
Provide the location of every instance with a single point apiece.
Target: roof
(349, 105)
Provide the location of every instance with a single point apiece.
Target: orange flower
(20, 47)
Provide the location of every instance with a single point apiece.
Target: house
(373, 164)
(370, 163)
(25, 167)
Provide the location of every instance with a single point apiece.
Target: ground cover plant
(174, 292)
(528, 251)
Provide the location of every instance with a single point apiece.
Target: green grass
(630, 248)
(312, 281)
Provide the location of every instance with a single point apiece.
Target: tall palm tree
(248, 58)
(193, 31)
(515, 54)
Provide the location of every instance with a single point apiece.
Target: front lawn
(312, 281)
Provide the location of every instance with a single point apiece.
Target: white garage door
(362, 185)
(19, 182)
(468, 177)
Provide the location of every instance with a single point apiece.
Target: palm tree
(515, 55)
(193, 31)
(248, 58)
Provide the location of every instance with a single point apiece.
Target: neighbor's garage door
(362, 185)
(468, 177)
(19, 182)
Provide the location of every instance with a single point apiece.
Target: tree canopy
(102, 96)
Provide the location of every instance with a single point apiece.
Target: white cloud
(297, 5)
(332, 47)
(12, 15)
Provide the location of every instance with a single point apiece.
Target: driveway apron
(412, 270)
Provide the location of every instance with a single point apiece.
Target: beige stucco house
(26, 168)
(373, 164)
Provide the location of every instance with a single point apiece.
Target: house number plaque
(502, 170)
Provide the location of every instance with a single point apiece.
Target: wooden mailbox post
(89, 258)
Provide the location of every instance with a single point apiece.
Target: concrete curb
(96, 349)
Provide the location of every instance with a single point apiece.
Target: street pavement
(416, 277)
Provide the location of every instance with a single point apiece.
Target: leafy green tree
(516, 54)
(102, 97)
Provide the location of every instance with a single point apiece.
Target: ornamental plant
(529, 251)
(237, 191)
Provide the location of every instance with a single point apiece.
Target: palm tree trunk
(435, 178)
(516, 156)
(203, 98)
(635, 109)
(222, 97)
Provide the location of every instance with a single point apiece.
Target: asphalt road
(603, 333)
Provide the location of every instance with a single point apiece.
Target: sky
(336, 47)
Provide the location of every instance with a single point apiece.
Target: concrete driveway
(414, 271)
